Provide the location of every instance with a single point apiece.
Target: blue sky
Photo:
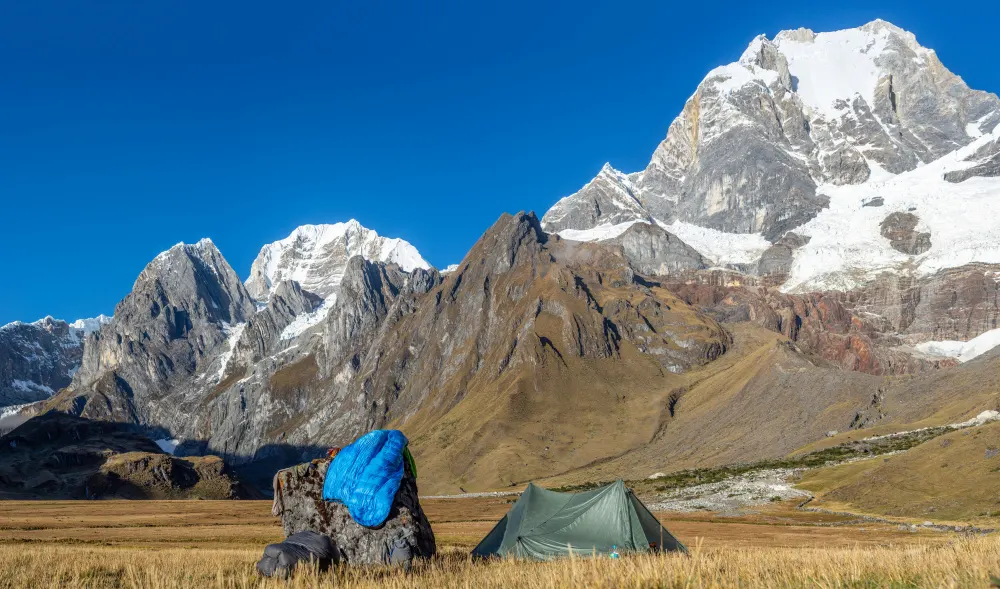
(126, 127)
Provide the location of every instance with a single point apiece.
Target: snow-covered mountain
(316, 256)
(860, 141)
(88, 326)
(37, 359)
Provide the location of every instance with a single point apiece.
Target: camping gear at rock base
(365, 475)
(545, 524)
(280, 559)
(298, 502)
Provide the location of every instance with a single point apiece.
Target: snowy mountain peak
(825, 70)
(611, 198)
(202, 245)
(316, 256)
(90, 325)
(813, 132)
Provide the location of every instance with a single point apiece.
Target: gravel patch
(733, 494)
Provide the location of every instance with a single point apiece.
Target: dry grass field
(167, 544)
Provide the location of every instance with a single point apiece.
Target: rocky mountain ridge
(190, 355)
(37, 359)
(718, 286)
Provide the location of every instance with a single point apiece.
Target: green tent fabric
(545, 524)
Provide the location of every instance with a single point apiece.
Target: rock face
(180, 311)
(299, 502)
(820, 324)
(776, 262)
(58, 456)
(37, 359)
(900, 229)
(654, 251)
(953, 304)
(985, 163)
(315, 256)
(609, 199)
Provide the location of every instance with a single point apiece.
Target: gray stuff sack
(399, 552)
(280, 560)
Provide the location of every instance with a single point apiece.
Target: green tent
(545, 524)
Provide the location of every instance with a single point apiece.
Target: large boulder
(298, 500)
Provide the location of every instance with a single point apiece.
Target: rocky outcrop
(58, 456)
(263, 332)
(37, 359)
(776, 262)
(653, 251)
(821, 324)
(145, 475)
(986, 164)
(953, 304)
(872, 328)
(299, 503)
(900, 229)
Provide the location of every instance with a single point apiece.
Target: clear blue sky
(126, 127)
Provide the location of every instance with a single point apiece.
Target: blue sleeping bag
(366, 475)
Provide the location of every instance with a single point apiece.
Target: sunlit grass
(962, 562)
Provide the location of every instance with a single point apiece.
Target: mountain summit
(316, 256)
(801, 132)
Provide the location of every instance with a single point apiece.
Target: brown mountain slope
(765, 399)
(537, 355)
(952, 477)
(941, 397)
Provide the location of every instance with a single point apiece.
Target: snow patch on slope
(834, 66)
(847, 249)
(599, 233)
(233, 334)
(168, 445)
(28, 386)
(962, 351)
(306, 320)
(724, 249)
(15, 409)
(731, 77)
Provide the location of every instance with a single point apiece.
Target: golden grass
(214, 544)
(952, 478)
(961, 563)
